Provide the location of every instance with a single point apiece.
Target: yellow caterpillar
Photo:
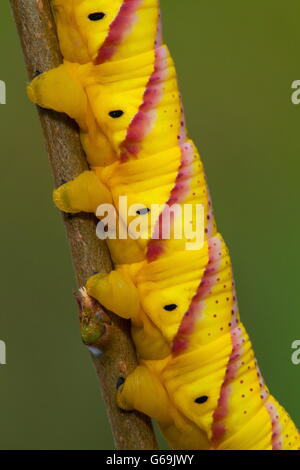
(197, 373)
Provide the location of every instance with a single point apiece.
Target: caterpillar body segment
(134, 104)
(47, 90)
(126, 28)
(159, 303)
(197, 373)
(138, 393)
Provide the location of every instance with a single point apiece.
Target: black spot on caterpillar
(170, 307)
(96, 16)
(143, 211)
(116, 114)
(201, 400)
(120, 382)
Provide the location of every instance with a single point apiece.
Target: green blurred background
(236, 62)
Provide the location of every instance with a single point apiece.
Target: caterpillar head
(83, 26)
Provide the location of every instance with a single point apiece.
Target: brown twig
(41, 51)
